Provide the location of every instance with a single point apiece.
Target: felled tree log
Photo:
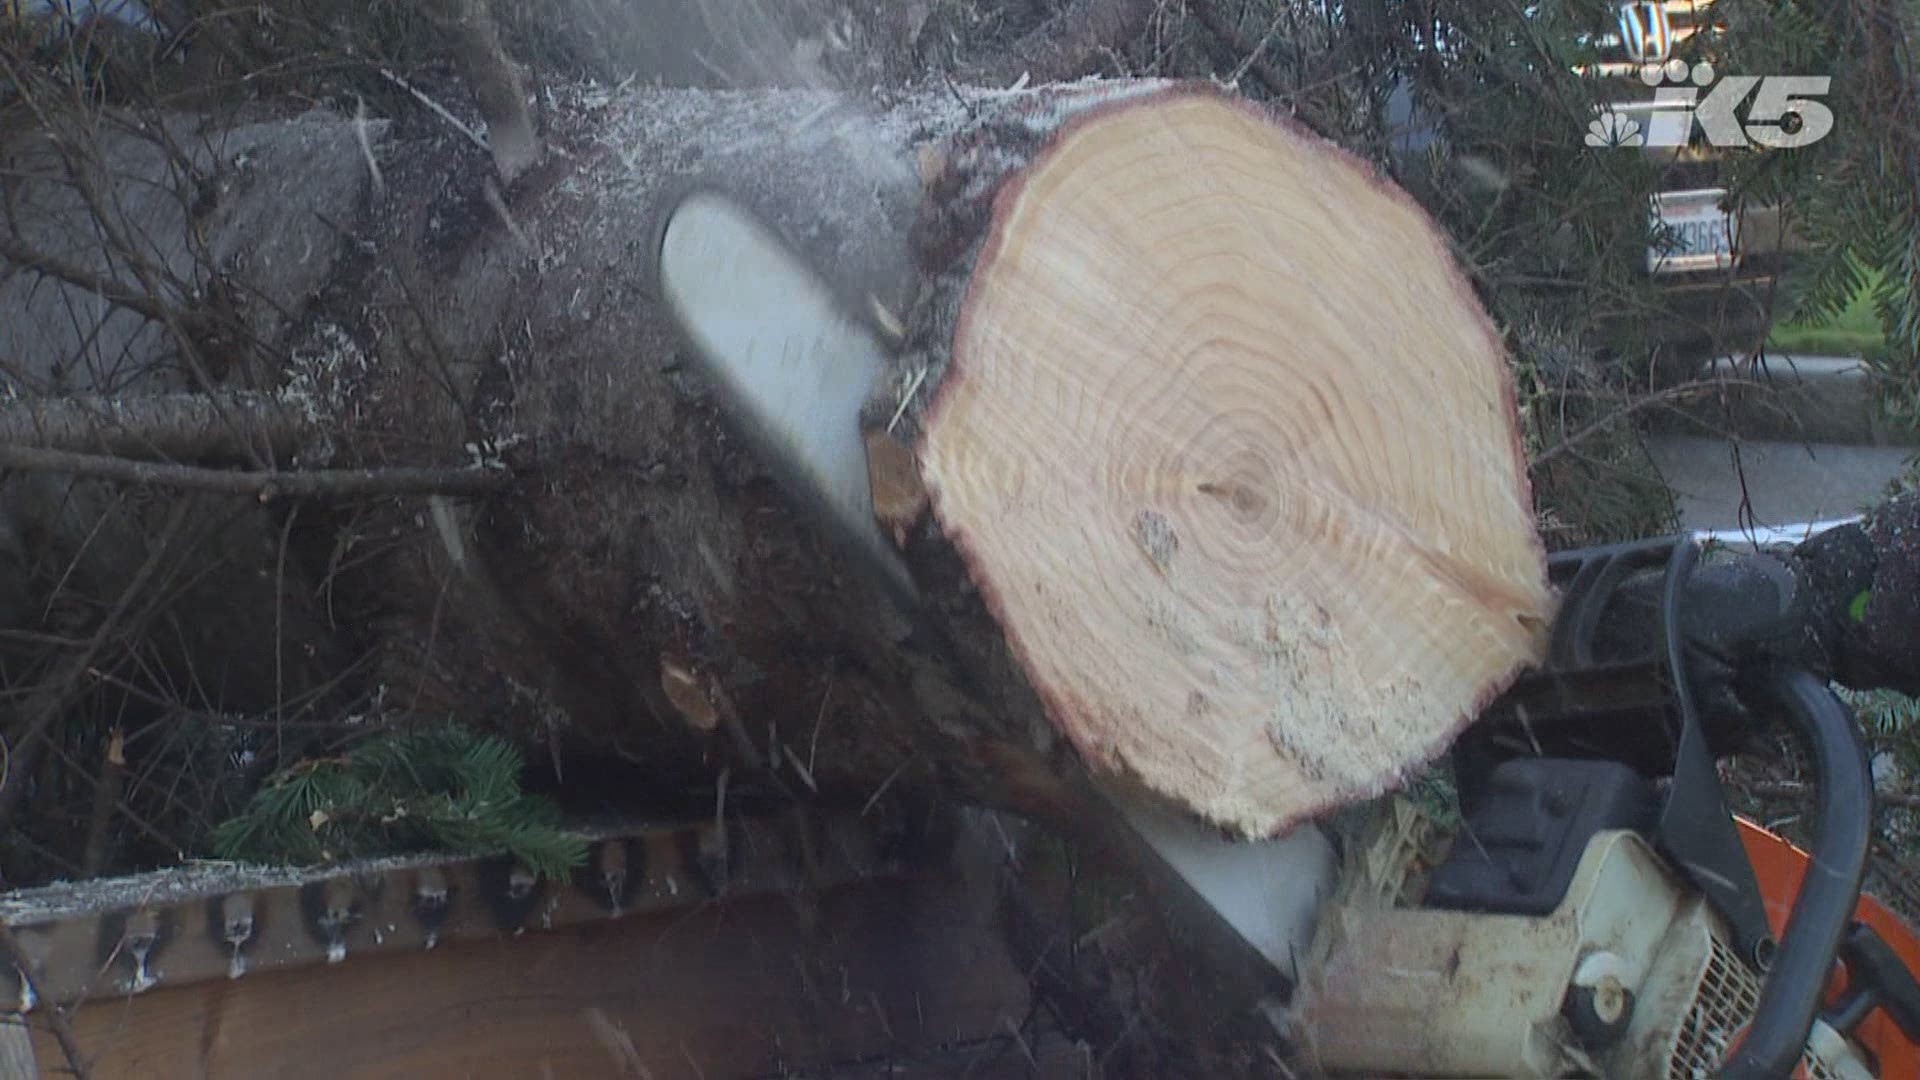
(1227, 505)
(1228, 499)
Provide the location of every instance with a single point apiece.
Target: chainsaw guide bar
(114, 937)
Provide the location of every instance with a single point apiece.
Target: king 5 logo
(1781, 115)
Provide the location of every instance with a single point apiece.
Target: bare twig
(819, 718)
(906, 398)
(50, 697)
(1209, 15)
(81, 174)
(56, 1016)
(1070, 44)
(1686, 389)
(1020, 1041)
(800, 769)
(141, 303)
(737, 729)
(178, 426)
(1892, 867)
(366, 148)
(437, 109)
(1793, 789)
(280, 619)
(317, 483)
(874, 799)
(498, 204)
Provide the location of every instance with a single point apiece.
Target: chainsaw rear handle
(1829, 893)
(1640, 637)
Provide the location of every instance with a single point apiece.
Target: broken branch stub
(1231, 451)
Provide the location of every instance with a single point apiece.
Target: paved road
(1788, 483)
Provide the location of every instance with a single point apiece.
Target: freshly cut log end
(1231, 451)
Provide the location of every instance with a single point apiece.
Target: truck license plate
(1692, 233)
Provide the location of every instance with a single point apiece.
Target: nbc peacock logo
(1615, 129)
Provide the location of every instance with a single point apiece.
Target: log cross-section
(1231, 451)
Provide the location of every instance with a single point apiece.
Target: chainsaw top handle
(1796, 971)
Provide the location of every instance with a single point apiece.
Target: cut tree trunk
(1231, 450)
(1229, 506)
(1229, 500)
(1201, 453)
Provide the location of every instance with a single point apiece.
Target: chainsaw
(1587, 906)
(1596, 910)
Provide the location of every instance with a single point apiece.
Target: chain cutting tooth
(331, 908)
(235, 923)
(512, 892)
(35, 947)
(139, 939)
(613, 873)
(617, 868)
(710, 853)
(432, 898)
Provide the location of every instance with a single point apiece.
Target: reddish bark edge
(1056, 705)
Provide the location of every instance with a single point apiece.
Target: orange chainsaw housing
(1779, 865)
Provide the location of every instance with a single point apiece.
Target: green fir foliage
(1855, 194)
(443, 788)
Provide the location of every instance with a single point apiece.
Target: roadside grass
(1855, 331)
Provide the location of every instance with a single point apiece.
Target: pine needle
(444, 788)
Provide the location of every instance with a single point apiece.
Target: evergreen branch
(446, 788)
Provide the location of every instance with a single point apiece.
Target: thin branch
(1793, 789)
(437, 109)
(1070, 44)
(1681, 390)
(1208, 14)
(50, 697)
(266, 485)
(178, 426)
(1892, 867)
(13, 251)
(80, 176)
(56, 1016)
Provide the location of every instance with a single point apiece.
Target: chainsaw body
(1595, 911)
(1631, 975)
